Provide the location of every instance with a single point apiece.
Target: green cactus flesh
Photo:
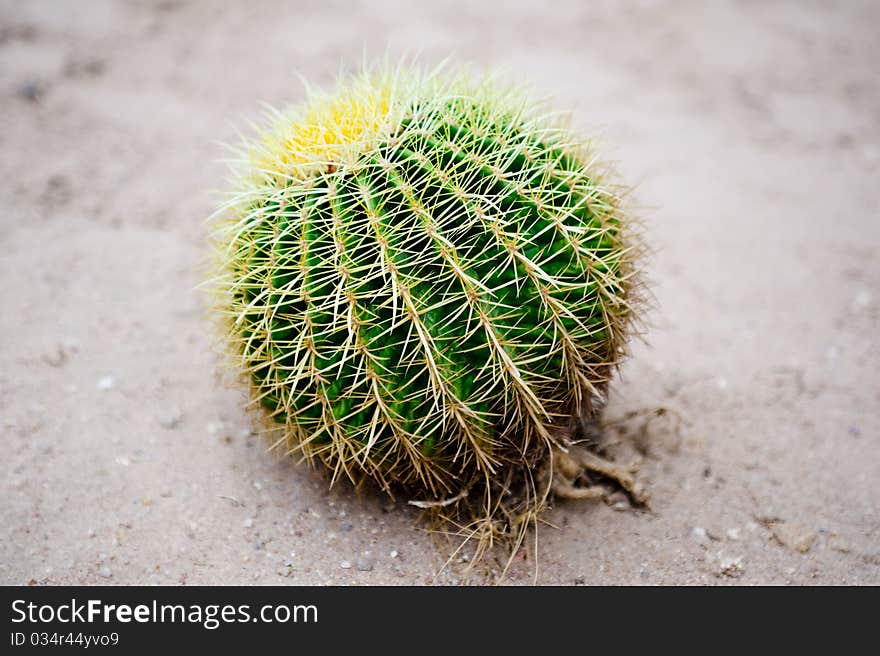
(436, 304)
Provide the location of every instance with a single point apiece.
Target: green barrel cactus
(424, 277)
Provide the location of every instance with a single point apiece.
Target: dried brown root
(501, 511)
(573, 475)
(566, 490)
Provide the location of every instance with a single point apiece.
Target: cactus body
(423, 277)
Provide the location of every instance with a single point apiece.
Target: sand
(751, 133)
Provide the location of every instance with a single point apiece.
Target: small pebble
(170, 419)
(838, 543)
(106, 383)
(699, 534)
(394, 553)
(733, 534)
(364, 565)
(56, 357)
(794, 536)
(70, 344)
(247, 523)
(345, 564)
(91, 533)
(31, 91)
(862, 299)
(106, 572)
(730, 566)
(284, 571)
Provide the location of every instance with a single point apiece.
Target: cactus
(424, 277)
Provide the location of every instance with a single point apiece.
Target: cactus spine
(423, 277)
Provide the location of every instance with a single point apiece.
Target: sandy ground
(752, 134)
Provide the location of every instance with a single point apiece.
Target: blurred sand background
(752, 134)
